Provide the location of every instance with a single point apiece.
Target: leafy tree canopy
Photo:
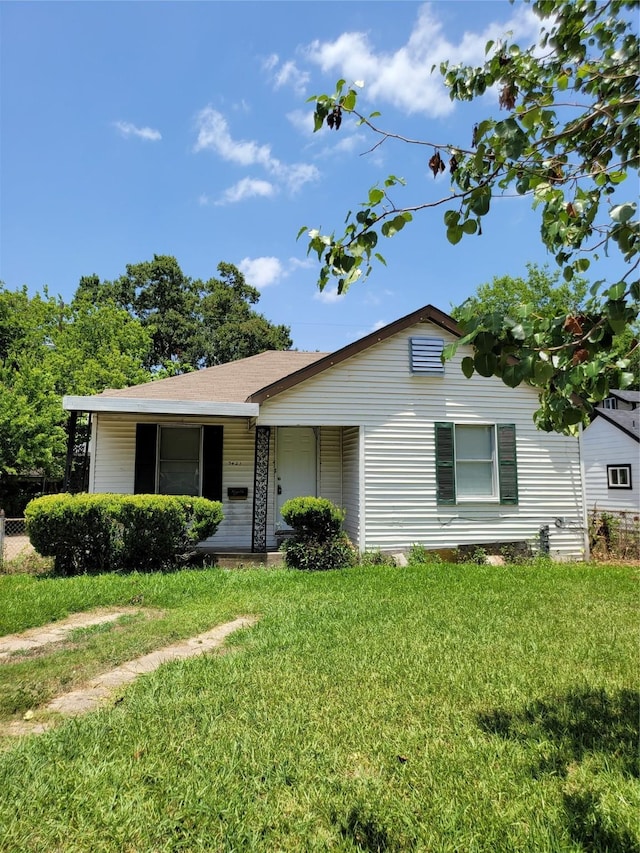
(47, 350)
(568, 139)
(192, 323)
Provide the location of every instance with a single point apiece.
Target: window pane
(474, 442)
(475, 474)
(179, 465)
(179, 478)
(180, 443)
(475, 479)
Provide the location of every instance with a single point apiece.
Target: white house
(611, 455)
(413, 451)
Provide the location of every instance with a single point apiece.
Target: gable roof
(428, 314)
(238, 387)
(626, 420)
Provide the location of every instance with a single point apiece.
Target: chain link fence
(14, 541)
(615, 534)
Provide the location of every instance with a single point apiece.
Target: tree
(542, 288)
(192, 323)
(569, 142)
(47, 350)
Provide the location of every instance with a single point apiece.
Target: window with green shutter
(476, 462)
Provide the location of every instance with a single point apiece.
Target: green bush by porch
(318, 543)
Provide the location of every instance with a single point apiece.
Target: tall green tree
(569, 141)
(193, 323)
(47, 350)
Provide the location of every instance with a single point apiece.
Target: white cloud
(126, 129)
(364, 332)
(403, 77)
(286, 74)
(214, 135)
(261, 272)
(328, 295)
(302, 121)
(247, 188)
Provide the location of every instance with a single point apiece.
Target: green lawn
(429, 708)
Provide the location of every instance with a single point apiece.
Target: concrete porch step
(231, 559)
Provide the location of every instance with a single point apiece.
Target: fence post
(1, 537)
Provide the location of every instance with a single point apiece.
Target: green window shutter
(507, 464)
(212, 462)
(145, 466)
(445, 467)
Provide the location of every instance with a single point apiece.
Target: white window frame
(162, 427)
(613, 476)
(610, 403)
(494, 496)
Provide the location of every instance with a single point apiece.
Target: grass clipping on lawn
(431, 707)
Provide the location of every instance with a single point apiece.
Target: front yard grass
(428, 708)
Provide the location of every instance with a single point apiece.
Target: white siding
(397, 410)
(604, 444)
(351, 482)
(330, 464)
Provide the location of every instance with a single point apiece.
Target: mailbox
(237, 493)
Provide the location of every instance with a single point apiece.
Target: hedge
(91, 533)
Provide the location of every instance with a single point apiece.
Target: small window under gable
(425, 356)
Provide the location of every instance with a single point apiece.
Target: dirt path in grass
(56, 632)
(102, 687)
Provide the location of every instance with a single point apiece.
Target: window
(425, 356)
(619, 476)
(610, 403)
(178, 460)
(476, 463)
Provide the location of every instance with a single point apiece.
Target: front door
(296, 471)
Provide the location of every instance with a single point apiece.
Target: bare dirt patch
(101, 688)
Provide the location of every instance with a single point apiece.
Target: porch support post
(260, 489)
(71, 443)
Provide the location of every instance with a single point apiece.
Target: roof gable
(422, 315)
(627, 421)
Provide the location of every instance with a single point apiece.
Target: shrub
(318, 543)
(376, 558)
(313, 518)
(80, 532)
(105, 532)
(420, 554)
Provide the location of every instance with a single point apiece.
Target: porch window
(476, 463)
(178, 460)
(619, 476)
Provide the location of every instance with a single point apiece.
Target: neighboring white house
(414, 452)
(611, 454)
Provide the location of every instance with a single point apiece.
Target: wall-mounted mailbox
(237, 493)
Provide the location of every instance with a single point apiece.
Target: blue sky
(138, 128)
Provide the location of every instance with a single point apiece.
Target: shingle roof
(232, 382)
(627, 396)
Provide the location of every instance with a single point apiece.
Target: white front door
(296, 466)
